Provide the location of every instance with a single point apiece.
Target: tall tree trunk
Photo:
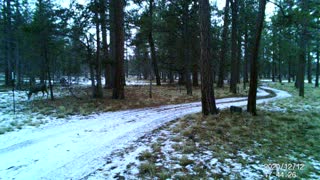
(118, 90)
(309, 68)
(303, 49)
(171, 79)
(246, 56)
(186, 51)
(252, 97)
(8, 42)
(112, 57)
(207, 92)
(239, 56)
(98, 89)
(223, 46)
(279, 58)
(273, 69)
(46, 57)
(279, 70)
(195, 81)
(234, 63)
(275, 50)
(297, 82)
(151, 44)
(105, 48)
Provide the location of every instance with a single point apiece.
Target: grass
(184, 161)
(145, 155)
(136, 97)
(5, 129)
(147, 169)
(289, 137)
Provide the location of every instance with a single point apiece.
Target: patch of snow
(273, 108)
(213, 161)
(283, 81)
(116, 165)
(316, 166)
(243, 155)
(261, 92)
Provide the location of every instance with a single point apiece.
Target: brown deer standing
(38, 88)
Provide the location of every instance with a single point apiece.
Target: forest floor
(40, 110)
(136, 96)
(75, 148)
(281, 142)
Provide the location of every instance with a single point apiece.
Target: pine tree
(252, 97)
(207, 91)
(118, 89)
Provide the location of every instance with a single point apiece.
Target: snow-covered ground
(283, 80)
(10, 120)
(76, 148)
(125, 164)
(23, 117)
(19, 115)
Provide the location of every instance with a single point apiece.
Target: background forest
(42, 41)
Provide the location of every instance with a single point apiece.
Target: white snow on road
(76, 148)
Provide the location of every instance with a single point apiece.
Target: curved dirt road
(76, 148)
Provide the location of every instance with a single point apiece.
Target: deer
(36, 89)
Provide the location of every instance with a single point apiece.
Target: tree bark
(8, 42)
(234, 59)
(98, 88)
(303, 49)
(151, 44)
(279, 71)
(105, 48)
(246, 57)
(112, 57)
(223, 46)
(118, 90)
(207, 92)
(239, 56)
(279, 57)
(195, 81)
(297, 82)
(171, 79)
(252, 97)
(186, 51)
